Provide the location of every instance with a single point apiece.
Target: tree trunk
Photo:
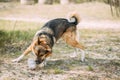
(110, 2)
(63, 2)
(115, 7)
(45, 1)
(27, 2)
(41, 1)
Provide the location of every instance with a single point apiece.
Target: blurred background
(43, 10)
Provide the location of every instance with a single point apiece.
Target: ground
(102, 60)
(102, 49)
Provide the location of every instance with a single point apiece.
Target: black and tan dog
(51, 32)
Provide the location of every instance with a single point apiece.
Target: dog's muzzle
(39, 61)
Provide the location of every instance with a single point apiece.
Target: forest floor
(100, 34)
(102, 60)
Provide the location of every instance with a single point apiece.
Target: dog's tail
(73, 18)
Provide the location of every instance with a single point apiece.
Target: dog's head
(41, 49)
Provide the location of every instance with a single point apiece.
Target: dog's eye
(41, 55)
(46, 51)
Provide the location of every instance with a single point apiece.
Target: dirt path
(100, 24)
(97, 24)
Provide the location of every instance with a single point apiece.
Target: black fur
(58, 26)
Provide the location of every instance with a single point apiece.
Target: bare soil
(102, 60)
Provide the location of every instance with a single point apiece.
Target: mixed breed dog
(49, 34)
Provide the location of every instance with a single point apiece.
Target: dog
(50, 33)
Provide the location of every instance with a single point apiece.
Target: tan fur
(70, 38)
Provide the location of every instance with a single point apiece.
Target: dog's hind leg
(77, 37)
(77, 49)
(70, 38)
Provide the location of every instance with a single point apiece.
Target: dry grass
(19, 25)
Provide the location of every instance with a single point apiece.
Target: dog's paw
(82, 60)
(15, 60)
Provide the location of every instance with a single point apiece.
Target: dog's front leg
(24, 54)
(43, 64)
(82, 55)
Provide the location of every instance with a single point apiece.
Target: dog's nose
(38, 61)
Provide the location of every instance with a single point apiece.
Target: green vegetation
(12, 40)
(10, 25)
(58, 71)
(2, 37)
(13, 34)
(90, 68)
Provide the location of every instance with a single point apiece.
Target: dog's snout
(38, 61)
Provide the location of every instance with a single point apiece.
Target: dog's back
(60, 25)
(57, 26)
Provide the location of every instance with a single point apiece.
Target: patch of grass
(116, 63)
(90, 68)
(110, 49)
(58, 71)
(11, 41)
(19, 25)
(14, 34)
(2, 37)
(84, 77)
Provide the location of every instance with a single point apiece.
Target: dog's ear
(38, 40)
(42, 40)
(48, 48)
(49, 52)
(35, 42)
